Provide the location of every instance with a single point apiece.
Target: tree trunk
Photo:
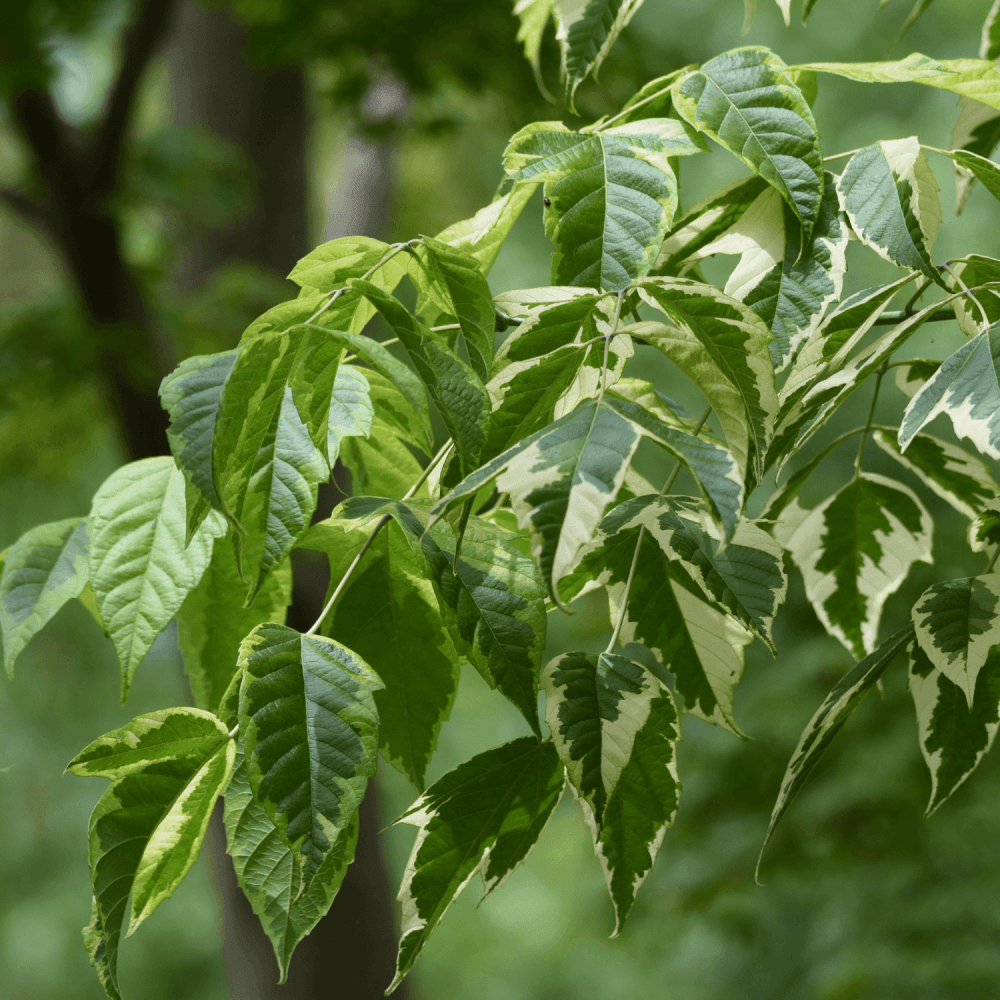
(351, 952)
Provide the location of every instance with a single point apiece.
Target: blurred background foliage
(407, 107)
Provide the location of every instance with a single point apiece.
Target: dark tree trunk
(351, 952)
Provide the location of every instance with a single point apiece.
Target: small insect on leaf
(547, 202)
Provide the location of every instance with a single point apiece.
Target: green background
(862, 897)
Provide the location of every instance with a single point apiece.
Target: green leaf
(192, 395)
(967, 389)
(957, 625)
(494, 590)
(830, 717)
(973, 271)
(266, 465)
(891, 199)
(982, 168)
(977, 130)
(747, 101)
(653, 99)
(269, 873)
(953, 474)
(455, 388)
(612, 195)
(984, 531)
(483, 235)
(975, 78)
(595, 706)
(389, 614)
(586, 30)
(393, 455)
(485, 816)
(167, 769)
(913, 373)
(351, 410)
(452, 286)
(954, 736)
(139, 567)
(212, 622)
(41, 571)
(854, 550)
(534, 17)
(723, 346)
(642, 807)
(332, 263)
(309, 729)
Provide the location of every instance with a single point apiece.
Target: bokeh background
(264, 127)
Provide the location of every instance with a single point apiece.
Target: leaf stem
(840, 156)
(638, 544)
(965, 288)
(868, 423)
(632, 107)
(898, 315)
(607, 341)
(993, 560)
(382, 522)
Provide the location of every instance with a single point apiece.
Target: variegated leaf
(967, 389)
(595, 706)
(984, 531)
(977, 130)
(981, 309)
(912, 374)
(738, 98)
(484, 816)
(958, 623)
(611, 195)
(891, 199)
(954, 735)
(854, 550)
(953, 474)
(830, 717)
(39, 573)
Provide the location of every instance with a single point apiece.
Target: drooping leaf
(586, 30)
(911, 375)
(452, 287)
(139, 566)
(309, 729)
(854, 550)
(975, 78)
(483, 235)
(612, 195)
(967, 389)
(167, 769)
(953, 474)
(726, 348)
(747, 101)
(494, 590)
(456, 390)
(642, 806)
(891, 199)
(192, 395)
(351, 410)
(389, 614)
(981, 308)
(390, 459)
(595, 706)
(830, 717)
(977, 130)
(269, 874)
(212, 622)
(40, 572)
(534, 17)
(954, 737)
(957, 624)
(486, 815)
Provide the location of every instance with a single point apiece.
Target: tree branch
(49, 137)
(139, 42)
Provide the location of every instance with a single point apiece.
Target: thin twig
(993, 561)
(608, 339)
(898, 316)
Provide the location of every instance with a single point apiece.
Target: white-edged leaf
(984, 531)
(891, 199)
(747, 101)
(139, 566)
(954, 736)
(40, 572)
(977, 129)
(830, 717)
(913, 373)
(854, 550)
(967, 389)
(953, 474)
(957, 624)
